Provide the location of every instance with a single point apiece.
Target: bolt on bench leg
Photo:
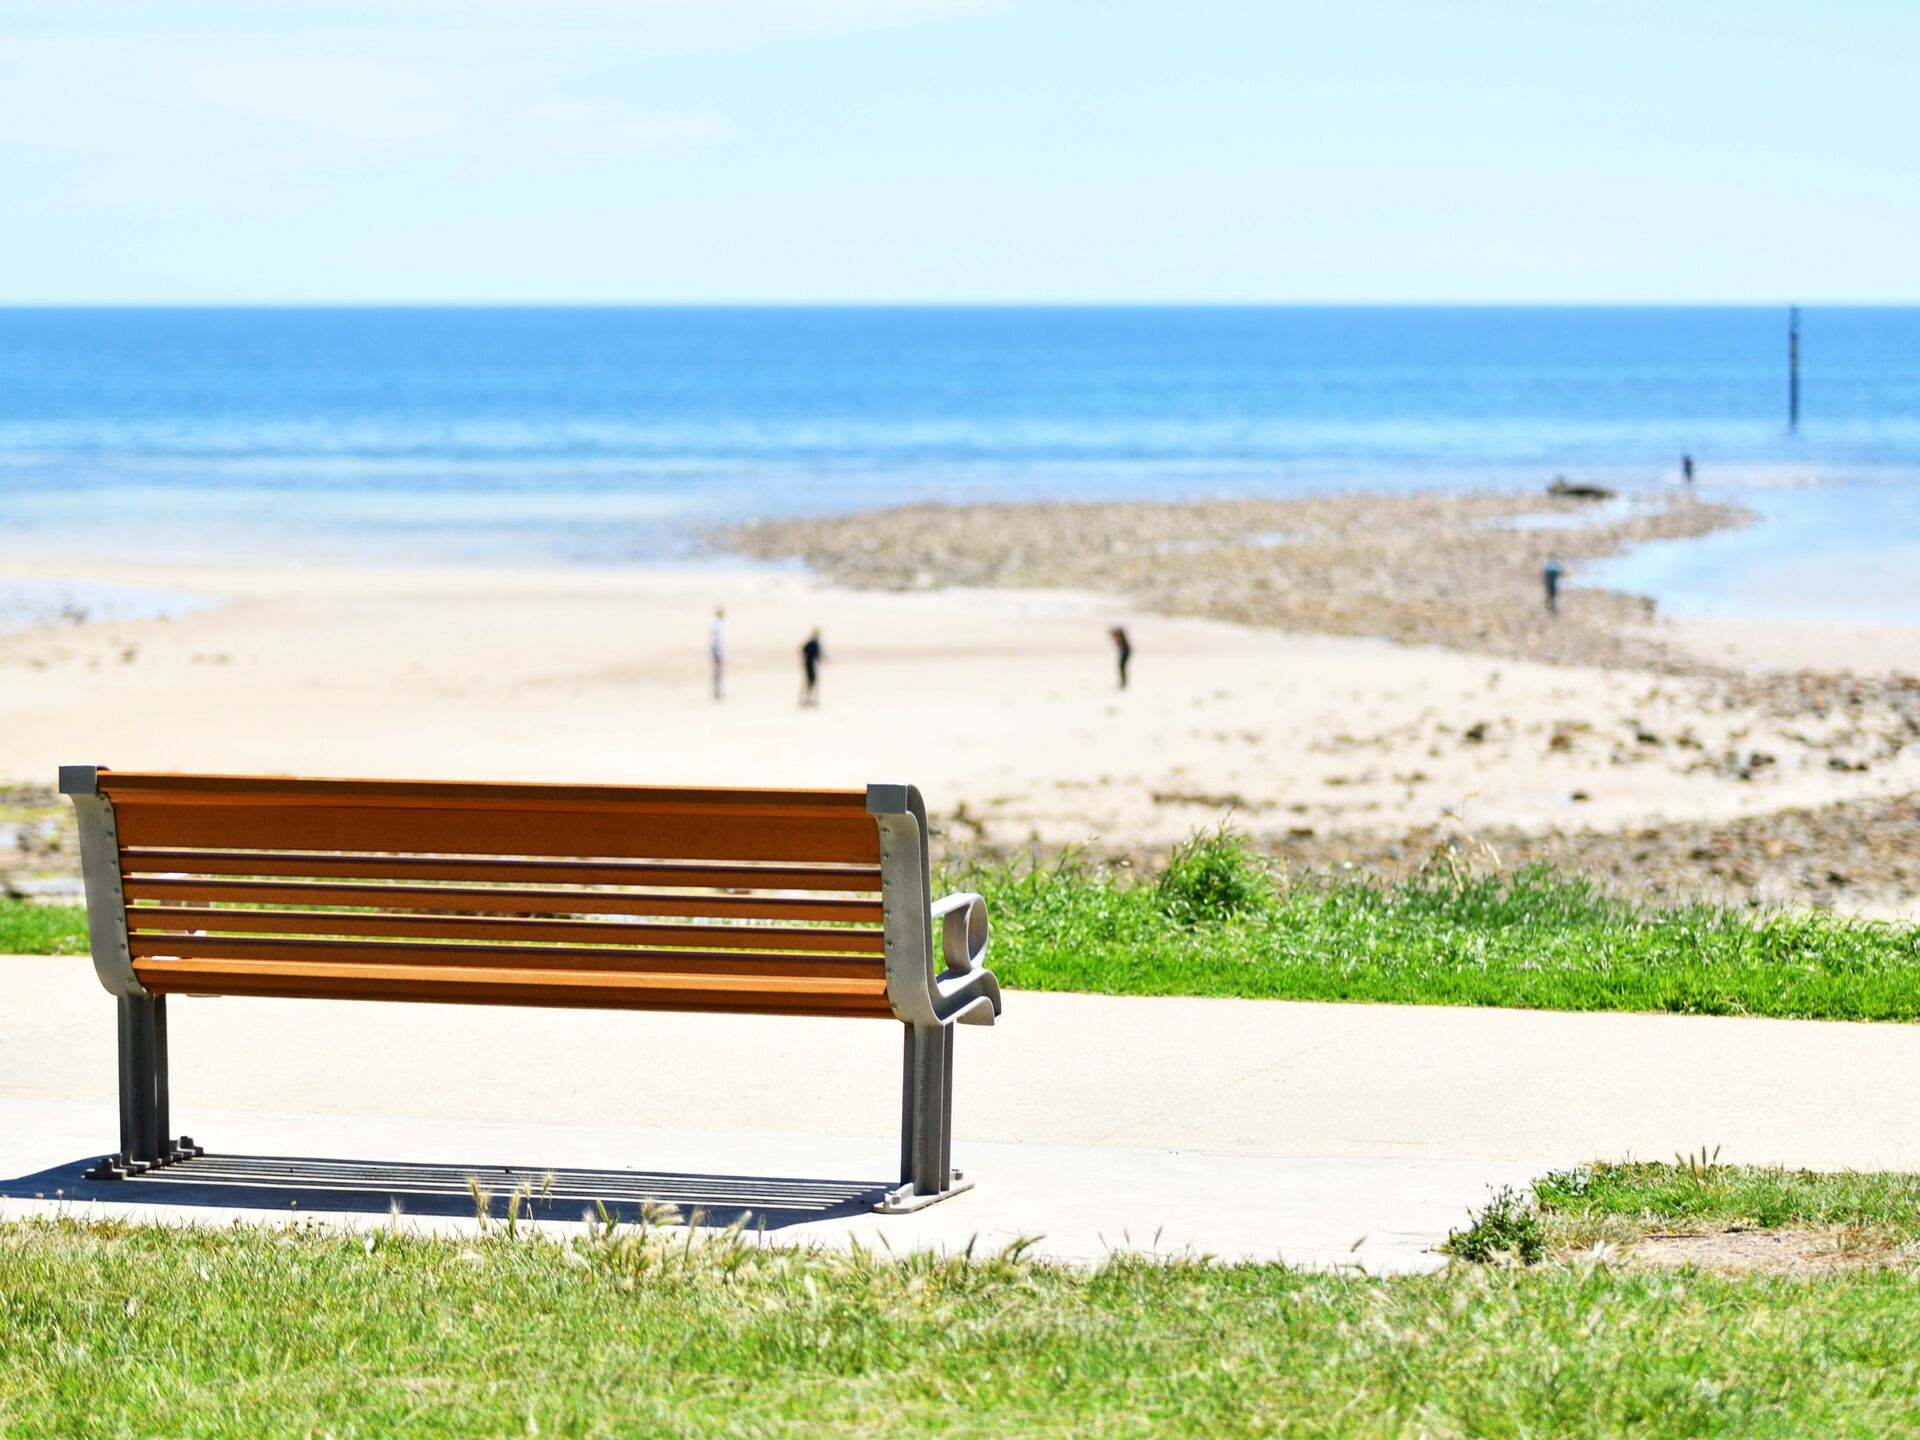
(926, 1122)
(145, 1108)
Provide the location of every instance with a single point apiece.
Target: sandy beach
(1001, 703)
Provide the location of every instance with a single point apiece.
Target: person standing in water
(1550, 573)
(717, 648)
(1686, 470)
(1123, 651)
(812, 657)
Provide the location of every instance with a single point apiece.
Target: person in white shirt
(717, 647)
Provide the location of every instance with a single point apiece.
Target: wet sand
(1863, 648)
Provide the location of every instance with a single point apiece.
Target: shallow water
(1838, 551)
(610, 435)
(25, 603)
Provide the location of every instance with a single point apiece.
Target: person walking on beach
(1686, 470)
(1551, 572)
(1123, 650)
(717, 648)
(812, 657)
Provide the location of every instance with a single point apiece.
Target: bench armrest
(962, 918)
(964, 992)
(968, 992)
(100, 872)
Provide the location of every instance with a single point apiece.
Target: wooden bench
(760, 902)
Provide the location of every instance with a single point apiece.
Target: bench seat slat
(469, 819)
(146, 918)
(148, 860)
(501, 901)
(281, 790)
(296, 950)
(658, 990)
(501, 832)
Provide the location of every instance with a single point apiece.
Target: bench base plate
(902, 1201)
(119, 1167)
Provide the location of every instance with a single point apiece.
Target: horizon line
(909, 304)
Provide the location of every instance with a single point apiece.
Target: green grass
(247, 1333)
(1703, 1193)
(1533, 938)
(42, 929)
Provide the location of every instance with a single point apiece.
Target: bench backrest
(769, 901)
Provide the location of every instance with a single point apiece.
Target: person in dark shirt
(1123, 650)
(812, 657)
(1551, 573)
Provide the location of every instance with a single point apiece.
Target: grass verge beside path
(1704, 1192)
(1748, 1216)
(1218, 922)
(244, 1332)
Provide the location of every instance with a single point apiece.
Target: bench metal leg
(162, 1106)
(926, 1122)
(145, 1109)
(140, 1043)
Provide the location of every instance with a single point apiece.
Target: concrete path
(1238, 1128)
(1080, 1203)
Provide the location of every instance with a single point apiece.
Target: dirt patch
(1777, 1252)
(1848, 854)
(1851, 855)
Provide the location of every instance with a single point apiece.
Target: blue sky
(958, 150)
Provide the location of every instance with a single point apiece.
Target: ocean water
(611, 435)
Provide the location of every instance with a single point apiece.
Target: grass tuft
(1507, 1230)
(1213, 878)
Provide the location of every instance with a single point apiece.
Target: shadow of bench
(300, 1184)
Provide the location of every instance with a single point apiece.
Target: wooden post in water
(1793, 367)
